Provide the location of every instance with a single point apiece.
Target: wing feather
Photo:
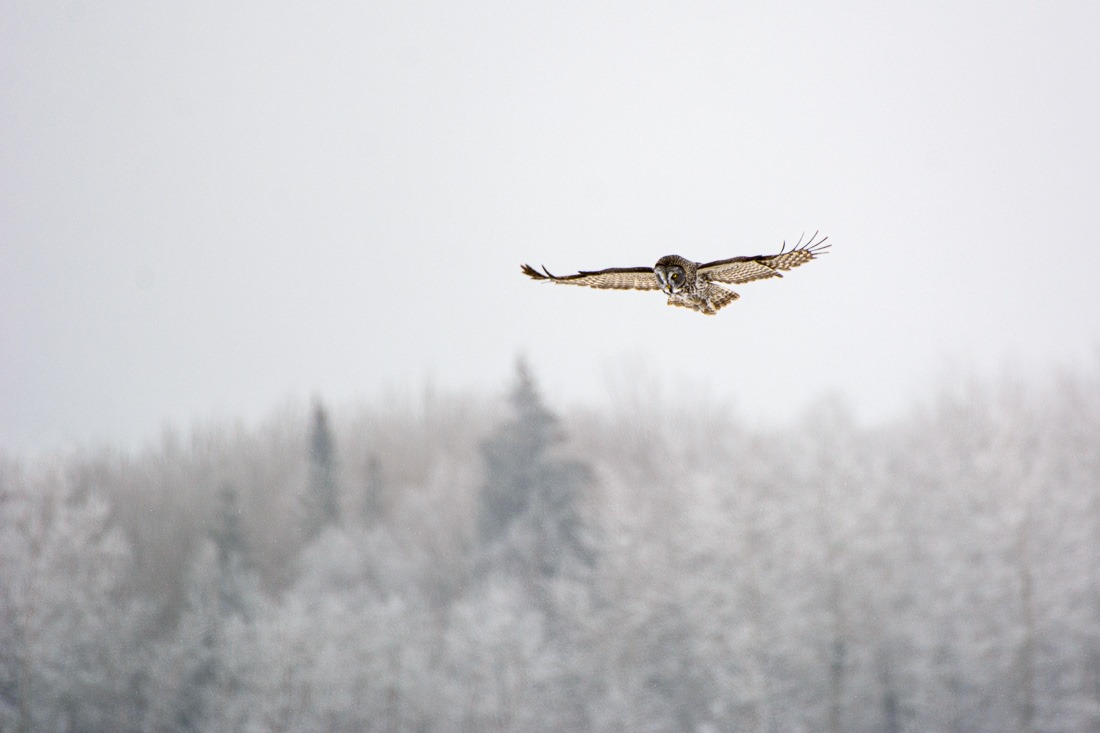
(760, 267)
(613, 278)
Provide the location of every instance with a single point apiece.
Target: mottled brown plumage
(690, 284)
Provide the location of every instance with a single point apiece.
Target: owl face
(672, 273)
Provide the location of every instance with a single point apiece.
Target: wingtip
(813, 245)
(819, 246)
(531, 272)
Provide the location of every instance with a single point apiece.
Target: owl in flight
(692, 284)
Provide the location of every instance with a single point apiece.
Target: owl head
(674, 273)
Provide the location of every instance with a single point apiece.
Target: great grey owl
(692, 284)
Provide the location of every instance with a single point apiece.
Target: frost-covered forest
(485, 563)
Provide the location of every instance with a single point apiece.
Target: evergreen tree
(196, 670)
(232, 555)
(528, 507)
(374, 485)
(322, 499)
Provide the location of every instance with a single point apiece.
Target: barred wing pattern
(613, 278)
(687, 283)
(738, 270)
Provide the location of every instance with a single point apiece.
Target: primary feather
(613, 278)
(737, 270)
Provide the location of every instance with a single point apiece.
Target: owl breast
(704, 297)
(685, 299)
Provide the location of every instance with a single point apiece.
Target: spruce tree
(194, 670)
(370, 509)
(528, 509)
(232, 553)
(322, 500)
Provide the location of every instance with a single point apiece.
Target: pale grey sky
(209, 208)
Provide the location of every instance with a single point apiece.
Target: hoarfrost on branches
(490, 565)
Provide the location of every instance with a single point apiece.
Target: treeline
(469, 564)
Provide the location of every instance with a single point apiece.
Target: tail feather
(720, 297)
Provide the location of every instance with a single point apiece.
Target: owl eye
(675, 277)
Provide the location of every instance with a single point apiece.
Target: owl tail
(719, 298)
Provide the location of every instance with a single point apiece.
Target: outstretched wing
(613, 278)
(759, 267)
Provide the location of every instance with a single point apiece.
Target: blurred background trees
(470, 564)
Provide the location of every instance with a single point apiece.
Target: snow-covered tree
(200, 669)
(528, 517)
(939, 571)
(71, 628)
(321, 502)
(374, 486)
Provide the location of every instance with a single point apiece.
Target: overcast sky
(208, 209)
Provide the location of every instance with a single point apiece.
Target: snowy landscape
(481, 563)
(289, 442)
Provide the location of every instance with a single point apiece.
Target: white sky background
(207, 208)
